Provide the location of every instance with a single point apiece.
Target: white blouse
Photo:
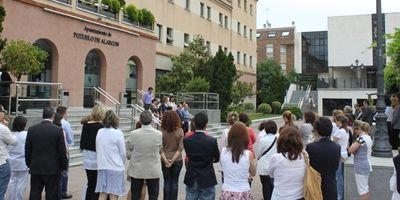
(264, 141)
(236, 175)
(393, 186)
(110, 149)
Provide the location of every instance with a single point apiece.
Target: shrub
(235, 108)
(264, 108)
(113, 5)
(198, 84)
(148, 17)
(296, 111)
(248, 106)
(276, 106)
(132, 13)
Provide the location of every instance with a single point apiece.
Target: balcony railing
(345, 83)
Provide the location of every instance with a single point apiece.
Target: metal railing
(307, 94)
(136, 109)
(100, 93)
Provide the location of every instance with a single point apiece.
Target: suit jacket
(367, 115)
(45, 152)
(202, 151)
(324, 157)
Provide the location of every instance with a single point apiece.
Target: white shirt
(6, 138)
(110, 149)
(389, 113)
(17, 153)
(225, 137)
(89, 160)
(343, 141)
(236, 175)
(264, 141)
(393, 186)
(334, 128)
(288, 177)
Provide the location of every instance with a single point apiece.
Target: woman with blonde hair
(288, 118)
(362, 153)
(231, 118)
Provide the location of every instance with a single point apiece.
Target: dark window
(328, 105)
(315, 52)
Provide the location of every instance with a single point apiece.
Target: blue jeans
(5, 174)
(340, 180)
(171, 179)
(197, 193)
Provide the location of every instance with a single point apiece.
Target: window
(270, 50)
(244, 59)
(245, 31)
(226, 50)
(283, 49)
(251, 61)
(187, 5)
(208, 12)
(221, 19)
(283, 67)
(202, 10)
(283, 56)
(170, 36)
(251, 9)
(239, 2)
(258, 35)
(226, 22)
(159, 30)
(186, 40)
(238, 57)
(245, 5)
(171, 1)
(251, 34)
(285, 33)
(238, 28)
(271, 34)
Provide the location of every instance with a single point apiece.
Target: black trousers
(185, 126)
(153, 188)
(51, 183)
(171, 179)
(91, 185)
(267, 186)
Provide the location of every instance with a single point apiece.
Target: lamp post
(381, 147)
(358, 70)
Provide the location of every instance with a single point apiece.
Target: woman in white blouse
(265, 148)
(231, 118)
(287, 167)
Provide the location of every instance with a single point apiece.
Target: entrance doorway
(131, 82)
(92, 77)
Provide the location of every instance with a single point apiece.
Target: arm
(68, 133)
(180, 147)
(216, 152)
(62, 152)
(121, 147)
(393, 182)
(7, 137)
(396, 116)
(129, 147)
(354, 147)
(28, 149)
(253, 169)
(271, 167)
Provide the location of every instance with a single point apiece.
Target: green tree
(392, 70)
(271, 82)
(223, 77)
(240, 91)
(203, 67)
(2, 17)
(198, 84)
(23, 58)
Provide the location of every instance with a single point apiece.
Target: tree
(223, 77)
(392, 70)
(198, 84)
(271, 82)
(23, 58)
(241, 90)
(2, 17)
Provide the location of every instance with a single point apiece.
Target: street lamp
(358, 70)
(381, 147)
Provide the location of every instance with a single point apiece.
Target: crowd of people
(279, 155)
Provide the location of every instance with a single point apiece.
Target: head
(287, 117)
(170, 121)
(6, 120)
(62, 110)
(394, 99)
(201, 121)
(269, 126)
(365, 104)
(289, 143)
(232, 117)
(165, 99)
(97, 114)
(48, 113)
(347, 110)
(244, 118)
(342, 121)
(171, 98)
(309, 117)
(323, 127)
(111, 119)
(2, 113)
(150, 89)
(360, 127)
(336, 112)
(146, 117)
(238, 139)
(57, 119)
(19, 124)
(180, 105)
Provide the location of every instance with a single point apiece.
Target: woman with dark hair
(265, 148)
(306, 129)
(231, 118)
(287, 167)
(19, 170)
(171, 153)
(238, 164)
(288, 119)
(244, 118)
(111, 152)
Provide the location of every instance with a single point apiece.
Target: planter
(146, 26)
(85, 6)
(127, 20)
(108, 14)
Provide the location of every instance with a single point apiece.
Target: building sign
(94, 38)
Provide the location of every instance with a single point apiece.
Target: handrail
(111, 98)
(100, 91)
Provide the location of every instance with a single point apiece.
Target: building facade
(277, 44)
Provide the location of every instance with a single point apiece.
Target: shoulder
(4, 129)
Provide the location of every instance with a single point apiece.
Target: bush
(276, 106)
(296, 111)
(132, 13)
(113, 5)
(248, 106)
(197, 84)
(148, 17)
(235, 108)
(264, 108)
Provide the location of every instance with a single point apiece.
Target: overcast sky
(311, 15)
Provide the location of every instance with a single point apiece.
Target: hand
(169, 163)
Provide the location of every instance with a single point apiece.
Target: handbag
(312, 181)
(269, 148)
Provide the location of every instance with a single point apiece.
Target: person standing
(265, 148)
(202, 151)
(395, 120)
(244, 118)
(143, 150)
(110, 150)
(19, 170)
(288, 119)
(362, 153)
(46, 157)
(324, 157)
(238, 165)
(171, 153)
(231, 118)
(147, 98)
(6, 139)
(69, 135)
(389, 114)
(185, 115)
(367, 113)
(90, 127)
(306, 129)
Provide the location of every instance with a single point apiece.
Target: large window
(251, 9)
(202, 10)
(225, 50)
(208, 12)
(239, 3)
(251, 34)
(245, 5)
(238, 28)
(208, 45)
(226, 21)
(244, 59)
(238, 57)
(187, 4)
(314, 52)
(251, 61)
(159, 31)
(245, 31)
(170, 36)
(270, 51)
(186, 40)
(221, 19)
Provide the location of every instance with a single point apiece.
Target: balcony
(348, 83)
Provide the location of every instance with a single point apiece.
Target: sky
(312, 15)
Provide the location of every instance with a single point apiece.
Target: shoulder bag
(269, 148)
(312, 181)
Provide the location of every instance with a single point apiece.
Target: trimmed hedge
(276, 106)
(264, 108)
(248, 106)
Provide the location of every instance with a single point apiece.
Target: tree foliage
(392, 70)
(240, 91)
(198, 84)
(2, 17)
(271, 82)
(23, 58)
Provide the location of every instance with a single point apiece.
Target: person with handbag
(325, 156)
(265, 148)
(287, 166)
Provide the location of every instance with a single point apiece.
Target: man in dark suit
(324, 157)
(46, 157)
(367, 114)
(202, 152)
